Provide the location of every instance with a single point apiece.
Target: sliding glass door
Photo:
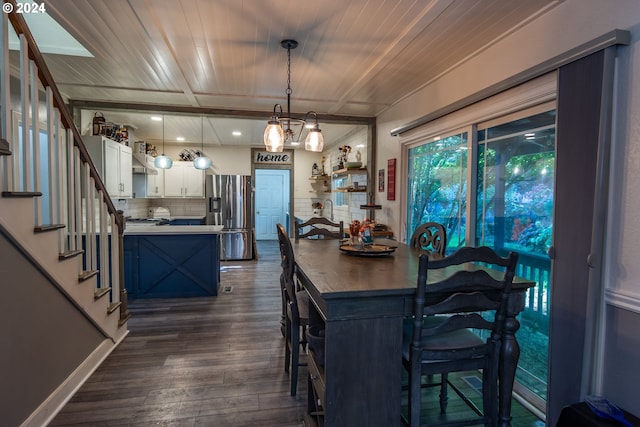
(515, 199)
(513, 195)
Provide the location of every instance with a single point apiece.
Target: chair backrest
(320, 226)
(286, 251)
(288, 264)
(430, 237)
(470, 291)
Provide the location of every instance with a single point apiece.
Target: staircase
(58, 227)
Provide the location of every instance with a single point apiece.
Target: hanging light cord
(289, 91)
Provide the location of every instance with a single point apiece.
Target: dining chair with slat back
(320, 227)
(295, 305)
(430, 237)
(450, 345)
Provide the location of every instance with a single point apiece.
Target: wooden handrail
(20, 27)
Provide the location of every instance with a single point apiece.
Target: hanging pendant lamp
(202, 162)
(275, 135)
(314, 141)
(163, 162)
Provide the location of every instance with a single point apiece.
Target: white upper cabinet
(155, 184)
(183, 180)
(113, 162)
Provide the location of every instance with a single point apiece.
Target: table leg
(509, 354)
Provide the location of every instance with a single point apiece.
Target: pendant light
(163, 162)
(275, 136)
(202, 162)
(273, 133)
(315, 140)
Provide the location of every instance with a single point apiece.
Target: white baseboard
(45, 413)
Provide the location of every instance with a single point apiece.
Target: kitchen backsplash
(138, 208)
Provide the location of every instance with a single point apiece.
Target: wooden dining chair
(430, 237)
(450, 345)
(295, 310)
(320, 227)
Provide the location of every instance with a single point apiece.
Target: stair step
(113, 307)
(4, 148)
(86, 275)
(70, 254)
(123, 320)
(48, 227)
(99, 293)
(22, 194)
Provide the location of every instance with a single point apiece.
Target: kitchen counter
(172, 229)
(169, 261)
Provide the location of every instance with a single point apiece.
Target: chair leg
(287, 345)
(295, 360)
(490, 395)
(444, 398)
(415, 399)
(303, 337)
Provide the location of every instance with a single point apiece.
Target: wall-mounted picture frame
(381, 181)
(391, 179)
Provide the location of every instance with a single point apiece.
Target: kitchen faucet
(324, 203)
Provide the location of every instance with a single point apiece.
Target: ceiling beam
(181, 109)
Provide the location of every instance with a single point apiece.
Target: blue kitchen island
(172, 261)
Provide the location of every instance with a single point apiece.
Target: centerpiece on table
(361, 233)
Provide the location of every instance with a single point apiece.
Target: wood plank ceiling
(355, 58)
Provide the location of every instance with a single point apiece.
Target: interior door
(272, 201)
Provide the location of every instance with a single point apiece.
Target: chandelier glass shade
(314, 141)
(163, 162)
(273, 133)
(279, 128)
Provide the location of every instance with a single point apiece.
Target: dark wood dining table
(361, 302)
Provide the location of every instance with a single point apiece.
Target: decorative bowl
(353, 165)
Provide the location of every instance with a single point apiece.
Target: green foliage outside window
(438, 187)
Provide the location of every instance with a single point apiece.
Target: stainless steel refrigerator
(230, 204)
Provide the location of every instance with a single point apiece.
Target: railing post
(124, 309)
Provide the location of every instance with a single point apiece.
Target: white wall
(570, 24)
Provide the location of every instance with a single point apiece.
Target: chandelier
(279, 128)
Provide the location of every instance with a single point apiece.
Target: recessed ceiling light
(529, 134)
(156, 118)
(180, 138)
(236, 133)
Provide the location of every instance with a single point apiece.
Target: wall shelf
(341, 172)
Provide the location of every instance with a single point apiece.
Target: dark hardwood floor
(204, 361)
